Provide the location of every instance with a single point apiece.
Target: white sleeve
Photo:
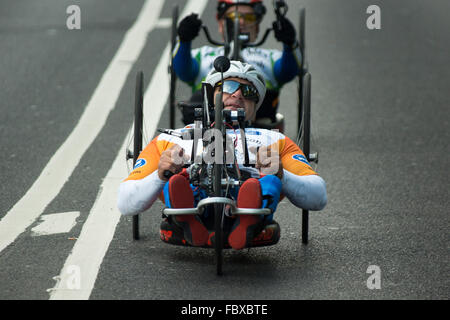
(136, 196)
(306, 192)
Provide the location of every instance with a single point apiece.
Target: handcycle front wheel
(218, 172)
(218, 219)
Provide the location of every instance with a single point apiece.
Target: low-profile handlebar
(217, 43)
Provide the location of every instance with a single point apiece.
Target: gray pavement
(380, 118)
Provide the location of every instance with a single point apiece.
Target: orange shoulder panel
(294, 160)
(149, 158)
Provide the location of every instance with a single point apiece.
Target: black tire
(137, 142)
(306, 142)
(173, 76)
(307, 115)
(218, 219)
(301, 43)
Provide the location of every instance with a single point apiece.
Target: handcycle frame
(303, 137)
(215, 183)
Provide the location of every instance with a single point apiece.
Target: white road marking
(61, 165)
(164, 23)
(99, 228)
(56, 223)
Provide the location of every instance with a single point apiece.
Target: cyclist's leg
(178, 193)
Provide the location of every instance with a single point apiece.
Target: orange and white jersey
(296, 169)
(292, 157)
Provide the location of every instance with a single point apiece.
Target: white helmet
(244, 71)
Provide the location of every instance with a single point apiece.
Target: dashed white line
(56, 223)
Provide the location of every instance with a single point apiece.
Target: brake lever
(168, 174)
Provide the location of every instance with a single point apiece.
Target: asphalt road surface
(380, 121)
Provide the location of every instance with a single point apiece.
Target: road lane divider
(60, 167)
(99, 228)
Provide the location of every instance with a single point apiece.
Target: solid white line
(61, 165)
(93, 241)
(98, 230)
(164, 23)
(56, 223)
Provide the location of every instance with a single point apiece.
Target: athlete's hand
(189, 28)
(268, 161)
(284, 31)
(171, 160)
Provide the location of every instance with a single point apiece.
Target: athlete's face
(247, 21)
(236, 100)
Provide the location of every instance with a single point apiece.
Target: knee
(270, 190)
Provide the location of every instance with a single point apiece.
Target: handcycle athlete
(280, 168)
(278, 67)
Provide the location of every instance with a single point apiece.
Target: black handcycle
(215, 178)
(215, 173)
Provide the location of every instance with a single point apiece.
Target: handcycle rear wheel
(306, 142)
(137, 140)
(304, 111)
(301, 42)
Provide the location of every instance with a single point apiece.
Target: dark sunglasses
(248, 91)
